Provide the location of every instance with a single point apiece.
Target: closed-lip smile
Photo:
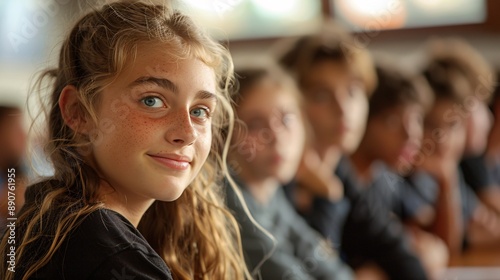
(172, 161)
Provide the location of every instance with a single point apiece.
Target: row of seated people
(389, 166)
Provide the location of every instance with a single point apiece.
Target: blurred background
(32, 30)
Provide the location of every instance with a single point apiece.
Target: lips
(172, 161)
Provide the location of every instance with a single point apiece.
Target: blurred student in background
(491, 196)
(336, 77)
(267, 148)
(12, 151)
(453, 129)
(479, 79)
(393, 136)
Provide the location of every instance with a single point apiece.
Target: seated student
(12, 148)
(392, 138)
(135, 112)
(491, 160)
(267, 150)
(457, 210)
(336, 79)
(479, 79)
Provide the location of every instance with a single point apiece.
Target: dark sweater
(299, 252)
(361, 227)
(104, 246)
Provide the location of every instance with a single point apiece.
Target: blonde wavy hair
(196, 235)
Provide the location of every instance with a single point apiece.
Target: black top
(393, 191)
(493, 167)
(362, 225)
(299, 252)
(104, 246)
(478, 174)
(428, 188)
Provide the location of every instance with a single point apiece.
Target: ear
(72, 111)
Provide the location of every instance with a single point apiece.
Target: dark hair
(456, 71)
(447, 81)
(395, 87)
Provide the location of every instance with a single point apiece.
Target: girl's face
(395, 135)
(273, 144)
(154, 125)
(336, 105)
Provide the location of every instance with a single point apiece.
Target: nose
(338, 108)
(340, 103)
(182, 131)
(413, 130)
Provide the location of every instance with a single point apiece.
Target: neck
(363, 165)
(129, 206)
(262, 189)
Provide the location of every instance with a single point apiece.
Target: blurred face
(273, 144)
(494, 136)
(336, 105)
(444, 132)
(154, 130)
(478, 125)
(395, 135)
(13, 138)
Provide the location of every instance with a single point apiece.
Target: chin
(172, 195)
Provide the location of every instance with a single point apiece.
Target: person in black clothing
(479, 160)
(482, 175)
(449, 135)
(482, 172)
(336, 79)
(135, 130)
(392, 138)
(267, 150)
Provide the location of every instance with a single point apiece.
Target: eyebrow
(169, 85)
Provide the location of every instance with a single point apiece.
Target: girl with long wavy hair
(137, 117)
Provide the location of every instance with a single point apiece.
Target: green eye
(153, 102)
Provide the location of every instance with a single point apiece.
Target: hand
(318, 176)
(443, 169)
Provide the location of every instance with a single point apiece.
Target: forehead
(267, 97)
(160, 60)
(330, 71)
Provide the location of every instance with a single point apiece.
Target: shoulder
(105, 244)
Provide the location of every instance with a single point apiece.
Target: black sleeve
(476, 175)
(369, 234)
(131, 264)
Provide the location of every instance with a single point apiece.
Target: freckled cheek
(135, 130)
(204, 142)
